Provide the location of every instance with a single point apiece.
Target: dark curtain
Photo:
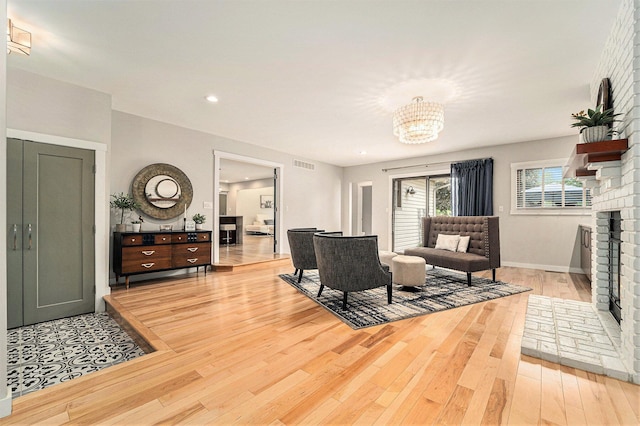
(472, 188)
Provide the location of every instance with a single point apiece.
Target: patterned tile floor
(44, 354)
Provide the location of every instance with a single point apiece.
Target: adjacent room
(320, 212)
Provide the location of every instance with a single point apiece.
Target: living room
(41, 105)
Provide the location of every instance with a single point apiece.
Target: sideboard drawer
(162, 239)
(204, 236)
(146, 258)
(185, 255)
(132, 240)
(179, 238)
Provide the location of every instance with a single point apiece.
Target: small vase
(121, 227)
(198, 226)
(595, 134)
(136, 227)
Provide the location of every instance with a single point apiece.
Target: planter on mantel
(595, 134)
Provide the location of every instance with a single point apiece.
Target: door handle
(15, 237)
(29, 229)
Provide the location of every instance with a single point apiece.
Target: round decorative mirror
(162, 190)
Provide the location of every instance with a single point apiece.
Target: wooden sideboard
(150, 251)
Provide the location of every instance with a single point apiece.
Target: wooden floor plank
(242, 346)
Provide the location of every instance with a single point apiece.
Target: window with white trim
(538, 187)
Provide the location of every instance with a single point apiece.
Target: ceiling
(237, 171)
(319, 79)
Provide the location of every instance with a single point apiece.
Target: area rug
(442, 290)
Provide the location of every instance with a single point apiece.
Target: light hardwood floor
(254, 249)
(244, 347)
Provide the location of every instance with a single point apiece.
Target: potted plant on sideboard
(199, 219)
(123, 203)
(595, 125)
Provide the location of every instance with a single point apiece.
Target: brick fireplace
(616, 188)
(588, 335)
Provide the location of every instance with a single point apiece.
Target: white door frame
(101, 218)
(219, 155)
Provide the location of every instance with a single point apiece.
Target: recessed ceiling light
(246, 178)
(211, 98)
(363, 152)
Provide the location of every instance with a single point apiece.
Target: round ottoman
(385, 257)
(409, 271)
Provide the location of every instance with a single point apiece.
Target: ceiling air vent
(304, 165)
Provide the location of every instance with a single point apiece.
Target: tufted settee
(484, 244)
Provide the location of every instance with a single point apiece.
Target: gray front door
(50, 217)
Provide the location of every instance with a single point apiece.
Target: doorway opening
(414, 198)
(247, 205)
(365, 209)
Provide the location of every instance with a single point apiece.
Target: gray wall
(310, 198)
(542, 242)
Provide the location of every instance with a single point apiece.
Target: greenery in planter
(594, 117)
(123, 203)
(139, 220)
(199, 218)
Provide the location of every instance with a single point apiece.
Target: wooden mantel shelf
(594, 152)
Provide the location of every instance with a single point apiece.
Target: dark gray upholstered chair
(350, 264)
(303, 255)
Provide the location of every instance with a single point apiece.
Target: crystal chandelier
(418, 122)
(18, 40)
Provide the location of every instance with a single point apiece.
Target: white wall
(234, 190)
(542, 242)
(248, 202)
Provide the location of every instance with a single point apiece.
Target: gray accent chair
(303, 254)
(484, 244)
(350, 264)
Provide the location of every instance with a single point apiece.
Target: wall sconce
(410, 190)
(18, 40)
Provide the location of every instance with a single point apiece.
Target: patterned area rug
(442, 290)
(51, 352)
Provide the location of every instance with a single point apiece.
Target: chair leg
(300, 276)
(296, 272)
(320, 291)
(493, 272)
(344, 301)
(389, 292)
(469, 279)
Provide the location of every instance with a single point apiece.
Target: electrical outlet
(500, 209)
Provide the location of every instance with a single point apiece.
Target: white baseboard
(5, 404)
(551, 268)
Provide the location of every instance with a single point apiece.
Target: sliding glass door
(414, 198)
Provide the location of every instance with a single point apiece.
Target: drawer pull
(164, 238)
(192, 249)
(192, 260)
(148, 252)
(147, 265)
